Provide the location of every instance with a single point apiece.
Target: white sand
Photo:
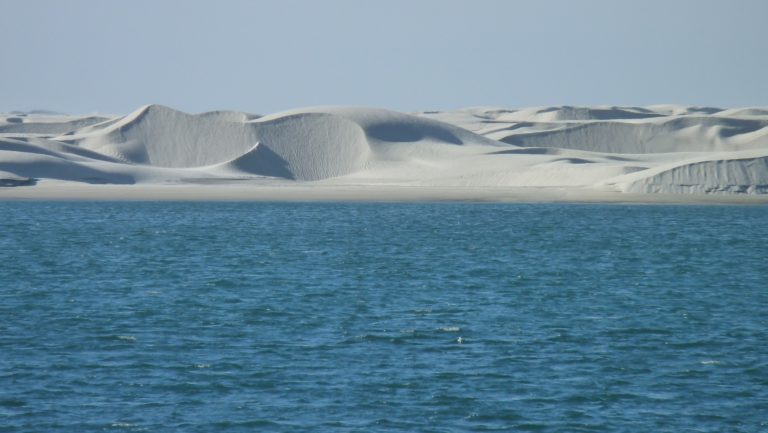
(660, 153)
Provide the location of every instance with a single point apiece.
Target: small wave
(126, 338)
(450, 329)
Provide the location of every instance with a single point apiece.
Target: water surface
(213, 317)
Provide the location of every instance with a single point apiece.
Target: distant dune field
(661, 149)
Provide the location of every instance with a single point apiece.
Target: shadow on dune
(585, 113)
(8, 182)
(528, 151)
(399, 133)
(574, 160)
(262, 161)
(62, 169)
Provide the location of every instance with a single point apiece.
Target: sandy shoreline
(355, 193)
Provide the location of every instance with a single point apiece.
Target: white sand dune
(661, 149)
(735, 172)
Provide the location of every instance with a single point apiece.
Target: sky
(95, 56)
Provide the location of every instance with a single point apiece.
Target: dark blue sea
(243, 317)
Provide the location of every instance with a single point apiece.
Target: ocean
(354, 317)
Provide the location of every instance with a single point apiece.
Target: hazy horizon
(263, 57)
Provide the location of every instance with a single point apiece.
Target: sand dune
(655, 149)
(163, 137)
(740, 172)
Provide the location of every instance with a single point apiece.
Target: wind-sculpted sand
(657, 153)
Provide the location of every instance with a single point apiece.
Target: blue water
(214, 317)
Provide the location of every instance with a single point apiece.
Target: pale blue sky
(82, 56)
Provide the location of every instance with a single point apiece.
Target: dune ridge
(665, 149)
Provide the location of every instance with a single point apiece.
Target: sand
(656, 154)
